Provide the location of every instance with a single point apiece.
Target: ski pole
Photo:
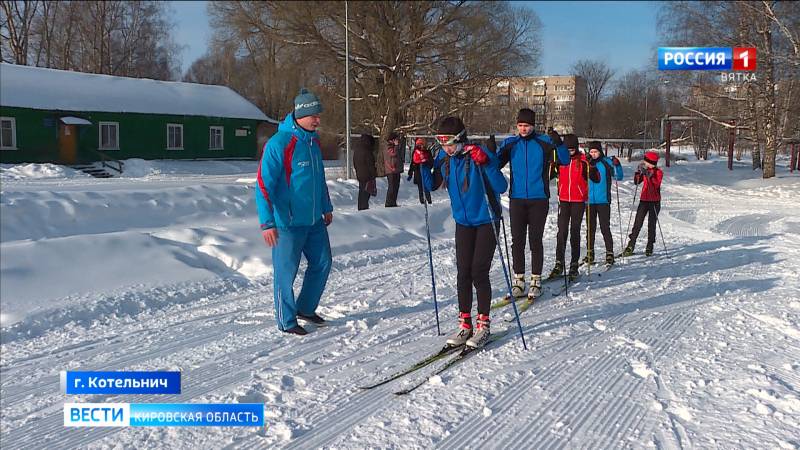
(619, 214)
(486, 190)
(628, 228)
(588, 226)
(558, 180)
(430, 249)
(505, 236)
(658, 222)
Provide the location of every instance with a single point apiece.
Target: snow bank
(18, 172)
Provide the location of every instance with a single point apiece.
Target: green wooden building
(66, 117)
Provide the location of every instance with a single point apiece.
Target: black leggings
(474, 253)
(651, 210)
(528, 216)
(570, 214)
(603, 211)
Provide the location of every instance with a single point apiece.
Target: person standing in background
(393, 160)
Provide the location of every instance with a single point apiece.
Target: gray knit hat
(306, 104)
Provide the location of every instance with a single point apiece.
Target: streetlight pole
(645, 111)
(347, 89)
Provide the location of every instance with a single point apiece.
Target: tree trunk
(756, 157)
(770, 118)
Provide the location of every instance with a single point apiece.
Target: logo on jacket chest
(303, 163)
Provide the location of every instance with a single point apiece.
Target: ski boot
(518, 285)
(557, 271)
(573, 271)
(464, 332)
(648, 251)
(589, 258)
(609, 259)
(482, 334)
(536, 287)
(628, 250)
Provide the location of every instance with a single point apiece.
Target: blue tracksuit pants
(313, 243)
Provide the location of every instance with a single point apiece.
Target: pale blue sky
(622, 33)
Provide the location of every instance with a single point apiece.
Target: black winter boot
(557, 271)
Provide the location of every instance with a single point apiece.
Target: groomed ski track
(696, 350)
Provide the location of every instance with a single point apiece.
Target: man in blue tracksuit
(600, 198)
(530, 156)
(294, 209)
(469, 172)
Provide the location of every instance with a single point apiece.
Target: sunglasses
(449, 139)
(446, 139)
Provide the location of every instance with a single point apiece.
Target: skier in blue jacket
(530, 156)
(471, 175)
(600, 199)
(294, 209)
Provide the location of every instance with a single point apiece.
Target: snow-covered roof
(69, 120)
(51, 89)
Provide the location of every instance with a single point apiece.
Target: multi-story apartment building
(559, 102)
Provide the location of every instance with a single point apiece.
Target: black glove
(554, 137)
(642, 170)
(491, 144)
(434, 148)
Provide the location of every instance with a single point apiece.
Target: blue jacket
(470, 208)
(600, 191)
(290, 185)
(530, 164)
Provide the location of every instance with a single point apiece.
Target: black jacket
(364, 158)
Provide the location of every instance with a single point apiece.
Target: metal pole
(492, 218)
(731, 137)
(645, 112)
(347, 89)
(668, 142)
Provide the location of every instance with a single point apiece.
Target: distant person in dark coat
(364, 164)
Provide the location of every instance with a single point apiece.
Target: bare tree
(127, 38)
(597, 74)
(15, 29)
(410, 62)
(755, 104)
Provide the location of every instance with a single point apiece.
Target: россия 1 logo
(736, 59)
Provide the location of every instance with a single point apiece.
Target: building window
(215, 138)
(174, 136)
(8, 133)
(109, 136)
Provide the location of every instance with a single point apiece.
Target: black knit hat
(393, 135)
(526, 115)
(571, 141)
(453, 126)
(596, 145)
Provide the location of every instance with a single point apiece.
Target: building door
(67, 143)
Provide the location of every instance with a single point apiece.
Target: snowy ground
(165, 269)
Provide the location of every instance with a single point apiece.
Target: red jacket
(651, 191)
(572, 179)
